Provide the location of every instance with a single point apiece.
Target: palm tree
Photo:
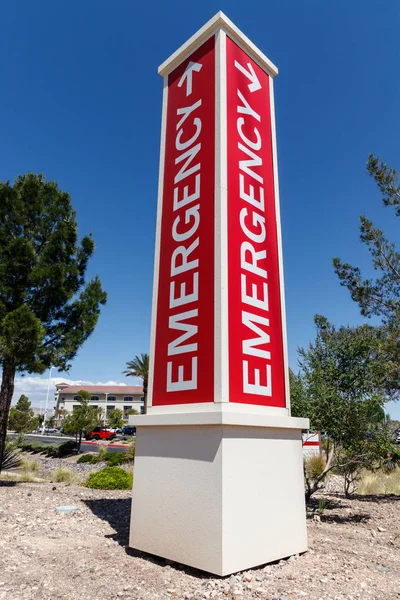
(139, 367)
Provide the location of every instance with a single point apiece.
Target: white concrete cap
(221, 417)
(219, 21)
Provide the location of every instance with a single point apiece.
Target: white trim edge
(220, 20)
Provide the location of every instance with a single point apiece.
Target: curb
(107, 445)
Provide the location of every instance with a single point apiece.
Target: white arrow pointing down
(251, 75)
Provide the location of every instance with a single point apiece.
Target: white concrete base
(219, 497)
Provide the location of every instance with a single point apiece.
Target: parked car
(100, 433)
(129, 430)
(51, 430)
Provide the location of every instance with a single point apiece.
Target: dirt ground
(354, 552)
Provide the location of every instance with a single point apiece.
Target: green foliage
(139, 367)
(115, 418)
(110, 478)
(379, 296)
(83, 418)
(115, 459)
(342, 387)
(46, 309)
(21, 418)
(53, 450)
(321, 505)
(87, 458)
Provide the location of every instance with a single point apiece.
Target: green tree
(21, 417)
(46, 309)
(139, 367)
(60, 415)
(342, 388)
(84, 418)
(379, 296)
(115, 418)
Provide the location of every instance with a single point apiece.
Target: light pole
(105, 409)
(47, 401)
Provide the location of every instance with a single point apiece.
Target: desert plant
(87, 458)
(101, 454)
(315, 465)
(321, 505)
(379, 482)
(114, 459)
(63, 475)
(30, 466)
(130, 454)
(10, 459)
(110, 478)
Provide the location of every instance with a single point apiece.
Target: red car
(100, 433)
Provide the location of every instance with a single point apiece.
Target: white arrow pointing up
(251, 75)
(188, 75)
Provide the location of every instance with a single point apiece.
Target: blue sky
(81, 102)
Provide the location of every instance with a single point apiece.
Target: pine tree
(47, 311)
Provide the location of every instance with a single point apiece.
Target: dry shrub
(63, 475)
(315, 466)
(380, 482)
(30, 466)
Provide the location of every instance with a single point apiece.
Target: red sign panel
(256, 359)
(184, 357)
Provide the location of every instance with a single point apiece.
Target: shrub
(114, 459)
(315, 466)
(54, 450)
(63, 475)
(65, 449)
(101, 454)
(110, 478)
(130, 454)
(30, 465)
(11, 459)
(380, 482)
(87, 458)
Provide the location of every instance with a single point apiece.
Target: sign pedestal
(219, 491)
(218, 477)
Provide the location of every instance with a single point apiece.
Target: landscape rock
(85, 555)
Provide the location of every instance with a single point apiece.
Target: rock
(226, 589)
(317, 518)
(247, 577)
(381, 529)
(383, 569)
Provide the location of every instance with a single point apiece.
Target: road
(56, 439)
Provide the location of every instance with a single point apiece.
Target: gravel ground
(354, 553)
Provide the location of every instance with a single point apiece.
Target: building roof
(126, 390)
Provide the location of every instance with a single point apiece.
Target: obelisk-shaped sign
(218, 467)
